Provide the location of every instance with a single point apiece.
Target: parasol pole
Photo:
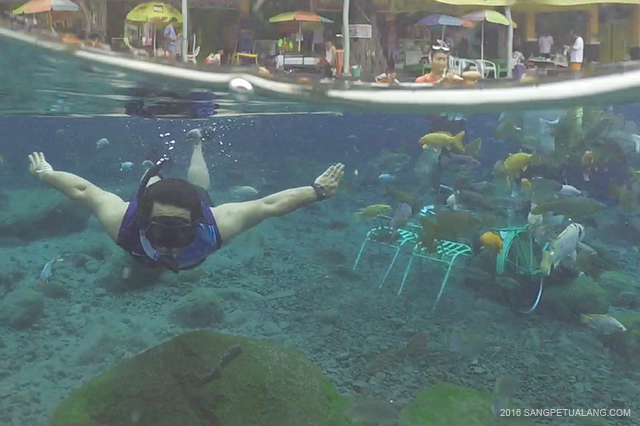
(482, 44)
(345, 37)
(185, 39)
(510, 65)
(299, 35)
(442, 37)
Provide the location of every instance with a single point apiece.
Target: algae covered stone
(198, 309)
(203, 378)
(581, 296)
(21, 308)
(622, 288)
(627, 344)
(450, 405)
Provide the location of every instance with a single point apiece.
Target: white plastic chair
(460, 64)
(486, 68)
(192, 57)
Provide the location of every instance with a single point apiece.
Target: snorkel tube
(152, 172)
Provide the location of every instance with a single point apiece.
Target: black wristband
(321, 193)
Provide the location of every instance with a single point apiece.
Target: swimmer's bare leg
(198, 174)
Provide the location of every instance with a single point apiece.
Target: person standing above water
(545, 43)
(171, 223)
(576, 51)
(171, 38)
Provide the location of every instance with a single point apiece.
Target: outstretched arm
(107, 207)
(234, 218)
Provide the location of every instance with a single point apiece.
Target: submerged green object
(450, 405)
(204, 378)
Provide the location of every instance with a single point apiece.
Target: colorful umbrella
(153, 12)
(444, 20)
(39, 6)
(487, 15)
(301, 17)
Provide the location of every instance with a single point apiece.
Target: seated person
(388, 76)
(439, 60)
(215, 59)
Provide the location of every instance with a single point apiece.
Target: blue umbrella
(444, 20)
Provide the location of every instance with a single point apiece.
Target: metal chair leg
(364, 243)
(535, 304)
(406, 275)
(393, 261)
(444, 284)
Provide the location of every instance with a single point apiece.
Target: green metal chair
(408, 236)
(403, 238)
(447, 252)
(518, 256)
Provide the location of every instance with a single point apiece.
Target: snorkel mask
(439, 47)
(164, 233)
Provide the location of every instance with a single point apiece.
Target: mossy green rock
(581, 296)
(450, 405)
(621, 288)
(268, 384)
(34, 214)
(627, 344)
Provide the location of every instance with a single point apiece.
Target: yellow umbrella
(532, 3)
(153, 12)
(484, 3)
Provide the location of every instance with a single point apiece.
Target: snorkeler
(171, 222)
(439, 61)
(439, 58)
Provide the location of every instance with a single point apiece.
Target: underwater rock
(204, 378)
(124, 273)
(41, 213)
(627, 344)
(581, 296)
(621, 288)
(54, 290)
(445, 404)
(198, 308)
(21, 308)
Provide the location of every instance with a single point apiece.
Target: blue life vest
(131, 238)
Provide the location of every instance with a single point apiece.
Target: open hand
(38, 165)
(330, 179)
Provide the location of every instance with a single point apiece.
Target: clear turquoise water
(293, 273)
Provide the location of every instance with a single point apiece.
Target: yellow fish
(372, 211)
(516, 163)
(604, 324)
(439, 140)
(491, 241)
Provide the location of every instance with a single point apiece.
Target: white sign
(360, 31)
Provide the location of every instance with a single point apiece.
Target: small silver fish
(126, 166)
(47, 271)
(386, 177)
